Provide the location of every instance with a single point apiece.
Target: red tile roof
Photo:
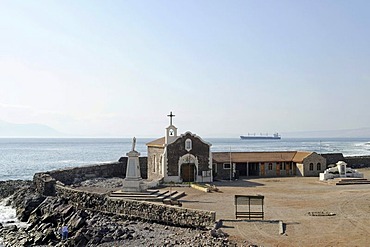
(156, 143)
(241, 157)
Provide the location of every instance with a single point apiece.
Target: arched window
(311, 166)
(188, 145)
(318, 166)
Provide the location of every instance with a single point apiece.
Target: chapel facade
(179, 158)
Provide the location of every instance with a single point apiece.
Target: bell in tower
(171, 131)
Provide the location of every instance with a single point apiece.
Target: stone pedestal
(133, 181)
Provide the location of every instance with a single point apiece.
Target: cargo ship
(275, 136)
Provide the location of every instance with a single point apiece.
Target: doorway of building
(188, 172)
(242, 169)
(253, 169)
(247, 169)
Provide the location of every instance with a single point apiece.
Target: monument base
(134, 185)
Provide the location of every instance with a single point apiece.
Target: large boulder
(29, 204)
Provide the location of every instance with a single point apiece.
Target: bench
(247, 206)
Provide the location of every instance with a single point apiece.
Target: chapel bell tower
(171, 131)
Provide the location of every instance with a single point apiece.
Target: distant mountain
(27, 130)
(346, 133)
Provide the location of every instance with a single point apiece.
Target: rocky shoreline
(46, 215)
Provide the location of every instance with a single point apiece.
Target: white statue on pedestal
(133, 181)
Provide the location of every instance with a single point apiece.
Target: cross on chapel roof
(170, 115)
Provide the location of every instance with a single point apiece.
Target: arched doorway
(188, 172)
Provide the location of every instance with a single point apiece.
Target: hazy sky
(225, 68)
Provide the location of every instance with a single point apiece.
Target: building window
(270, 166)
(227, 166)
(188, 145)
(318, 166)
(311, 166)
(206, 173)
(160, 165)
(154, 163)
(280, 166)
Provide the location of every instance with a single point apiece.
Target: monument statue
(133, 144)
(133, 181)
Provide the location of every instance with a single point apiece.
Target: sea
(21, 158)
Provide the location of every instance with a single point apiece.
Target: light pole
(231, 166)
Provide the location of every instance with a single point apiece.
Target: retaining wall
(52, 183)
(352, 161)
(152, 212)
(106, 170)
(77, 174)
(358, 161)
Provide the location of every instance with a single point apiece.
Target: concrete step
(152, 196)
(346, 181)
(168, 194)
(350, 179)
(148, 193)
(179, 195)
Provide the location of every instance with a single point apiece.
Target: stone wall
(358, 161)
(155, 162)
(107, 170)
(152, 212)
(352, 161)
(77, 174)
(333, 158)
(44, 184)
(177, 149)
(52, 183)
(220, 172)
(314, 159)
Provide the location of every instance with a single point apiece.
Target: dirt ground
(287, 199)
(290, 199)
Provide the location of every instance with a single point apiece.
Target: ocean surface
(20, 158)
